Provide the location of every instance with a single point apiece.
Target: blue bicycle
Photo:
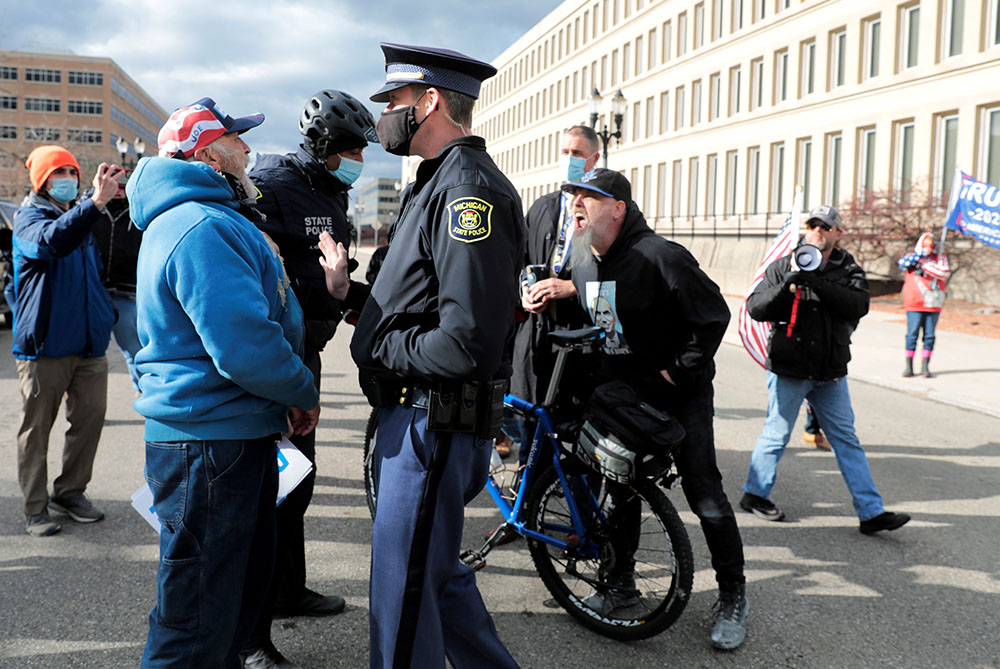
(614, 554)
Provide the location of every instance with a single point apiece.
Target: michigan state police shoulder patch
(469, 219)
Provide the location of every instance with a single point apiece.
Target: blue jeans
(832, 405)
(125, 332)
(215, 500)
(921, 319)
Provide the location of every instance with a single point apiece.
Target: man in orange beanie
(62, 326)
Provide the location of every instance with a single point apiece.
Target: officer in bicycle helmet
(303, 194)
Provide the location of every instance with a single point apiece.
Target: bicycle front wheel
(629, 576)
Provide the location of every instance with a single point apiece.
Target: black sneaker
(41, 525)
(729, 620)
(267, 657)
(77, 507)
(760, 507)
(884, 521)
(311, 604)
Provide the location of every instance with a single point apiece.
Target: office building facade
(80, 102)
(376, 206)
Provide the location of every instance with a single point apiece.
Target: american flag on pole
(755, 333)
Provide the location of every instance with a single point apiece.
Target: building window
(992, 26)
(8, 102)
(756, 83)
(831, 187)
(866, 164)
(872, 30)
(647, 189)
(990, 151)
(734, 90)
(9, 73)
(626, 62)
(41, 134)
(759, 10)
(777, 191)
(8, 132)
(682, 34)
(807, 67)
(711, 173)
(675, 191)
(650, 118)
(838, 58)
(699, 25)
(781, 76)
(636, 120)
(42, 75)
(651, 49)
(668, 34)
(614, 67)
(736, 16)
(696, 102)
(903, 160)
(661, 190)
(732, 166)
(909, 36)
(694, 168)
(716, 19)
(680, 101)
(664, 112)
(945, 145)
(83, 78)
(803, 168)
(42, 104)
(640, 56)
(93, 108)
(954, 15)
(714, 95)
(753, 179)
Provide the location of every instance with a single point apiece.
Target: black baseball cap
(608, 183)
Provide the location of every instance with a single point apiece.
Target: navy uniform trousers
(424, 602)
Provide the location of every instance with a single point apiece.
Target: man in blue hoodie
(221, 379)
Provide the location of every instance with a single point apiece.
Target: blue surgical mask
(349, 170)
(573, 167)
(63, 190)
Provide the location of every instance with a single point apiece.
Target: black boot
(925, 368)
(908, 369)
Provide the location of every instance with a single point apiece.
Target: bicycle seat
(567, 337)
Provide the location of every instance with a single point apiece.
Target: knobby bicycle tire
(664, 564)
(368, 461)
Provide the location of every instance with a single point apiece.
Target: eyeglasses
(825, 227)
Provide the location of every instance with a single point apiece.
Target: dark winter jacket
(118, 242)
(533, 356)
(300, 199)
(834, 297)
(443, 304)
(660, 309)
(60, 306)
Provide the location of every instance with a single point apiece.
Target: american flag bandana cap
(199, 124)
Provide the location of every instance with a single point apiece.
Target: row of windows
(89, 107)
(678, 196)
(573, 88)
(77, 135)
(43, 104)
(133, 125)
(85, 107)
(45, 75)
(134, 100)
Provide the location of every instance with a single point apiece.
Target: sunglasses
(825, 227)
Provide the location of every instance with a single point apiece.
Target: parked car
(7, 210)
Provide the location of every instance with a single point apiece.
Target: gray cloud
(265, 56)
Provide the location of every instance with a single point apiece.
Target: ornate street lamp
(122, 147)
(140, 149)
(618, 106)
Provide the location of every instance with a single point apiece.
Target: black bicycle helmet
(333, 121)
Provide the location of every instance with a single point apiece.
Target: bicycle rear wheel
(368, 460)
(629, 576)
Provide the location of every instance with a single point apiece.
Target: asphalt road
(821, 594)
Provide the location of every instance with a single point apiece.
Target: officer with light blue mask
(302, 195)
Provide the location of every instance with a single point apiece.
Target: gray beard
(580, 253)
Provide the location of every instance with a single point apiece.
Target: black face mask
(396, 128)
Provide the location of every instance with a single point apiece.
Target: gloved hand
(797, 279)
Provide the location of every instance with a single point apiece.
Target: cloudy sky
(264, 55)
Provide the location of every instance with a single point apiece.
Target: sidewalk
(966, 367)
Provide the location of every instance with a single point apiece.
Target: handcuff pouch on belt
(467, 406)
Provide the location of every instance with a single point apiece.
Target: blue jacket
(60, 306)
(221, 331)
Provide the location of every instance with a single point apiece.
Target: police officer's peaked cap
(440, 68)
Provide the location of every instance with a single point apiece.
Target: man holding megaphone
(813, 298)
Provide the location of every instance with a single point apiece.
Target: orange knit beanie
(45, 160)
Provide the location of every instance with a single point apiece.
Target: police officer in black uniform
(303, 194)
(433, 347)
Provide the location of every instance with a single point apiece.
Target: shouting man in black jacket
(813, 314)
(666, 322)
